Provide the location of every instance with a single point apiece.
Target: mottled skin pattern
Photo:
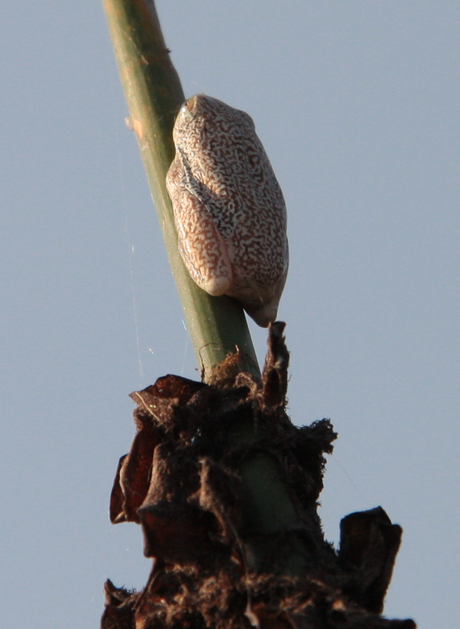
(228, 207)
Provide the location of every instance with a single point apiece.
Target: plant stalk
(217, 325)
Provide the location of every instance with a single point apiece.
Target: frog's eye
(189, 104)
(186, 110)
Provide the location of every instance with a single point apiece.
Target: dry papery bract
(230, 551)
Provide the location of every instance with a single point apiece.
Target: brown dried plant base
(225, 488)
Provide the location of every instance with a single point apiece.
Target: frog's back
(221, 164)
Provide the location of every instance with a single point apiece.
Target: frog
(228, 207)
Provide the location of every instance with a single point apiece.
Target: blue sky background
(357, 104)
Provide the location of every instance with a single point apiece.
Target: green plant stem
(217, 325)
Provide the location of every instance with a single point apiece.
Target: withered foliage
(230, 552)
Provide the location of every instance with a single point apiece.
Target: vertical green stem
(217, 325)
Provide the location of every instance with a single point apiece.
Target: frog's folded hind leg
(201, 246)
